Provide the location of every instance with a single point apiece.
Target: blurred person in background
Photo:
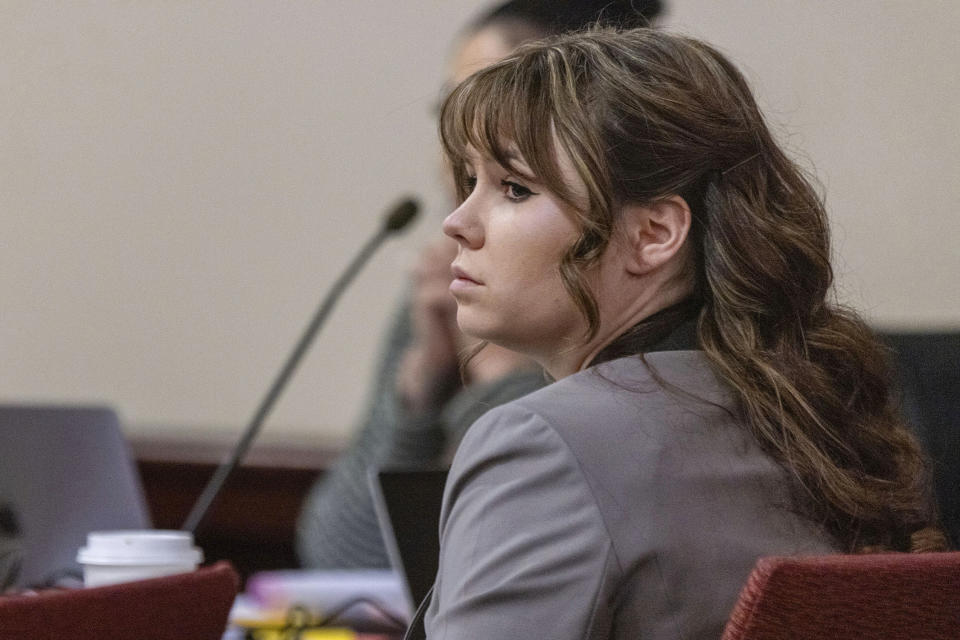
(11, 552)
(421, 405)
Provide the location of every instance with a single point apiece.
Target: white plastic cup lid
(147, 547)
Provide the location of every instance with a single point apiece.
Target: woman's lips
(462, 280)
(460, 274)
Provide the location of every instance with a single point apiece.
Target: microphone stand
(398, 218)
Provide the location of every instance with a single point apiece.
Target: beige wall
(180, 181)
(868, 92)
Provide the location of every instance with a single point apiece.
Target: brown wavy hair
(644, 115)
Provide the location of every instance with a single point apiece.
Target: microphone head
(401, 215)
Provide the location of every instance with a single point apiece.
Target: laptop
(408, 512)
(64, 472)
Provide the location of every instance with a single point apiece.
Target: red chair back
(902, 596)
(190, 606)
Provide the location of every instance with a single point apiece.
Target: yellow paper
(309, 634)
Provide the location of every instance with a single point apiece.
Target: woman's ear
(654, 234)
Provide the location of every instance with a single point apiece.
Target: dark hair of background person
(524, 20)
(645, 114)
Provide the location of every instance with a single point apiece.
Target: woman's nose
(463, 225)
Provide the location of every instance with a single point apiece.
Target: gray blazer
(608, 505)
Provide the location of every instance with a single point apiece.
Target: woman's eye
(515, 191)
(469, 183)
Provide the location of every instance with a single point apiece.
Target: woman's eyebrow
(517, 163)
(511, 152)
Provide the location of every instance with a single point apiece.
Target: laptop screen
(408, 511)
(64, 472)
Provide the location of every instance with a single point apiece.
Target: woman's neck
(630, 323)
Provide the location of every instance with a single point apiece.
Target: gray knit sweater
(337, 527)
(10, 546)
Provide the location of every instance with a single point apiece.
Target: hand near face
(428, 370)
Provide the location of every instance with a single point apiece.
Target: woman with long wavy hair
(628, 221)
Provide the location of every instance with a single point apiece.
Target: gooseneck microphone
(396, 219)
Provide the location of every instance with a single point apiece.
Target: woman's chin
(472, 332)
(478, 328)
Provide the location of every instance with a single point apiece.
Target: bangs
(499, 112)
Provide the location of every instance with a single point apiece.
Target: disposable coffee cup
(112, 557)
